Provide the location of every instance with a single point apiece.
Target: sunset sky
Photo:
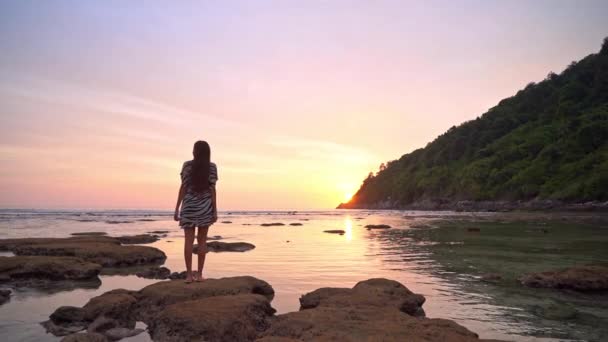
(101, 101)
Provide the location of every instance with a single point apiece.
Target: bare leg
(189, 240)
(202, 249)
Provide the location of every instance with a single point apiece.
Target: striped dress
(197, 208)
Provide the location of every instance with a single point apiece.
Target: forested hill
(548, 142)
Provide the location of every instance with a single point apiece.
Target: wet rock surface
(37, 271)
(238, 309)
(585, 278)
(104, 250)
(217, 246)
(273, 224)
(235, 309)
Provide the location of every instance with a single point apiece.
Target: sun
(348, 196)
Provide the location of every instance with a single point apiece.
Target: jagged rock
(216, 246)
(578, 278)
(154, 273)
(85, 337)
(334, 231)
(104, 250)
(226, 318)
(137, 239)
(89, 234)
(36, 270)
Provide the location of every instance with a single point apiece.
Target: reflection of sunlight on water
(348, 228)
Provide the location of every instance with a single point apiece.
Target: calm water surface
(293, 259)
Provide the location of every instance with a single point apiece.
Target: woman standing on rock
(198, 205)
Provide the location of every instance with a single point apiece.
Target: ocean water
(293, 259)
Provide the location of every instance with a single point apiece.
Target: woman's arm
(214, 197)
(180, 198)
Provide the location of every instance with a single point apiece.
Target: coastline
(483, 206)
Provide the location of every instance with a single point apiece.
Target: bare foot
(198, 278)
(189, 279)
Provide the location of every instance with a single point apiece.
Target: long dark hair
(200, 166)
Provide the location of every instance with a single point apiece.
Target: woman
(198, 205)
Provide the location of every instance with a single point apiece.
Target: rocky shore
(489, 206)
(239, 309)
(73, 262)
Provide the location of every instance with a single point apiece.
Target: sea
(293, 259)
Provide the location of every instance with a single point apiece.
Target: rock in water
(104, 250)
(273, 224)
(377, 226)
(217, 246)
(334, 231)
(154, 273)
(137, 239)
(578, 278)
(378, 292)
(373, 310)
(38, 270)
(238, 309)
(226, 318)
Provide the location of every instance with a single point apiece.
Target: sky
(101, 101)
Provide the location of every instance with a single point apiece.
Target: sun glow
(348, 196)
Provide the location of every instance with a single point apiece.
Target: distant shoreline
(488, 206)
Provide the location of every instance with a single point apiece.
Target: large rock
(362, 324)
(377, 292)
(221, 318)
(104, 250)
(155, 297)
(373, 310)
(218, 246)
(579, 278)
(237, 308)
(32, 270)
